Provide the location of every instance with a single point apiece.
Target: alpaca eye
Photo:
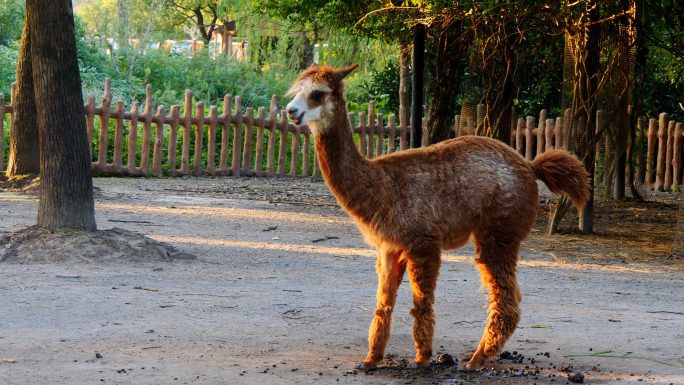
(316, 96)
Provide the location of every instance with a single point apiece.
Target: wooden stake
(158, 142)
(237, 137)
(132, 138)
(199, 139)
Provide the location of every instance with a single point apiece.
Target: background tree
(66, 188)
(24, 156)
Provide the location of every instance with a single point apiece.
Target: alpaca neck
(350, 176)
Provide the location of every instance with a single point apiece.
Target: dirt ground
(284, 287)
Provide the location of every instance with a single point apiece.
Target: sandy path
(272, 307)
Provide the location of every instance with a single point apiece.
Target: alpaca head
(317, 93)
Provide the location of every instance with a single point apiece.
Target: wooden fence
(245, 137)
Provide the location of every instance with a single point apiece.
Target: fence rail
(250, 143)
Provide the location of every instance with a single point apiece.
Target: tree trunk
(502, 128)
(592, 65)
(447, 72)
(404, 79)
(417, 89)
(309, 48)
(66, 188)
(24, 155)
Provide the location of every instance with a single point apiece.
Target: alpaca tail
(562, 172)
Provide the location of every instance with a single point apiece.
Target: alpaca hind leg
(390, 273)
(423, 270)
(497, 265)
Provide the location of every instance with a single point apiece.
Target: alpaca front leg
(423, 272)
(390, 273)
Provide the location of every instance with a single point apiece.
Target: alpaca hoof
(466, 368)
(476, 361)
(365, 366)
(419, 364)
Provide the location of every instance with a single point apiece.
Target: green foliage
(8, 69)
(664, 85)
(381, 87)
(11, 20)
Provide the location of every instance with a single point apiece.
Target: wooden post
(237, 137)
(481, 110)
(371, 129)
(272, 122)
(668, 158)
(519, 133)
(640, 153)
(379, 135)
(557, 133)
(132, 138)
(541, 131)
(529, 138)
(2, 130)
(662, 151)
(567, 127)
(294, 151)
(147, 131)
(651, 154)
(199, 139)
(305, 149)
(392, 126)
(363, 146)
(550, 131)
(226, 118)
(282, 151)
(104, 126)
(677, 156)
(118, 137)
(158, 141)
(90, 122)
(470, 127)
(316, 167)
(261, 123)
(211, 146)
(247, 150)
(402, 128)
(173, 138)
(457, 126)
(187, 124)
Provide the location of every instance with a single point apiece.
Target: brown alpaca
(415, 203)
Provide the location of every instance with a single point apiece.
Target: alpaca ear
(341, 74)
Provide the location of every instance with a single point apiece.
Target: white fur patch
(301, 91)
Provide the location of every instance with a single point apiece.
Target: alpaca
(412, 204)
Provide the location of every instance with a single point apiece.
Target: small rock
(5, 239)
(182, 255)
(98, 355)
(577, 378)
(158, 269)
(445, 359)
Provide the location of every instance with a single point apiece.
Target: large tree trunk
(502, 128)
(404, 78)
(417, 86)
(24, 156)
(592, 65)
(448, 74)
(66, 188)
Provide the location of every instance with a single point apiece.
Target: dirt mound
(29, 183)
(36, 245)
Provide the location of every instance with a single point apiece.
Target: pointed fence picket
(251, 142)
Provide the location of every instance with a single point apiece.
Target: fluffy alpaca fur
(415, 203)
